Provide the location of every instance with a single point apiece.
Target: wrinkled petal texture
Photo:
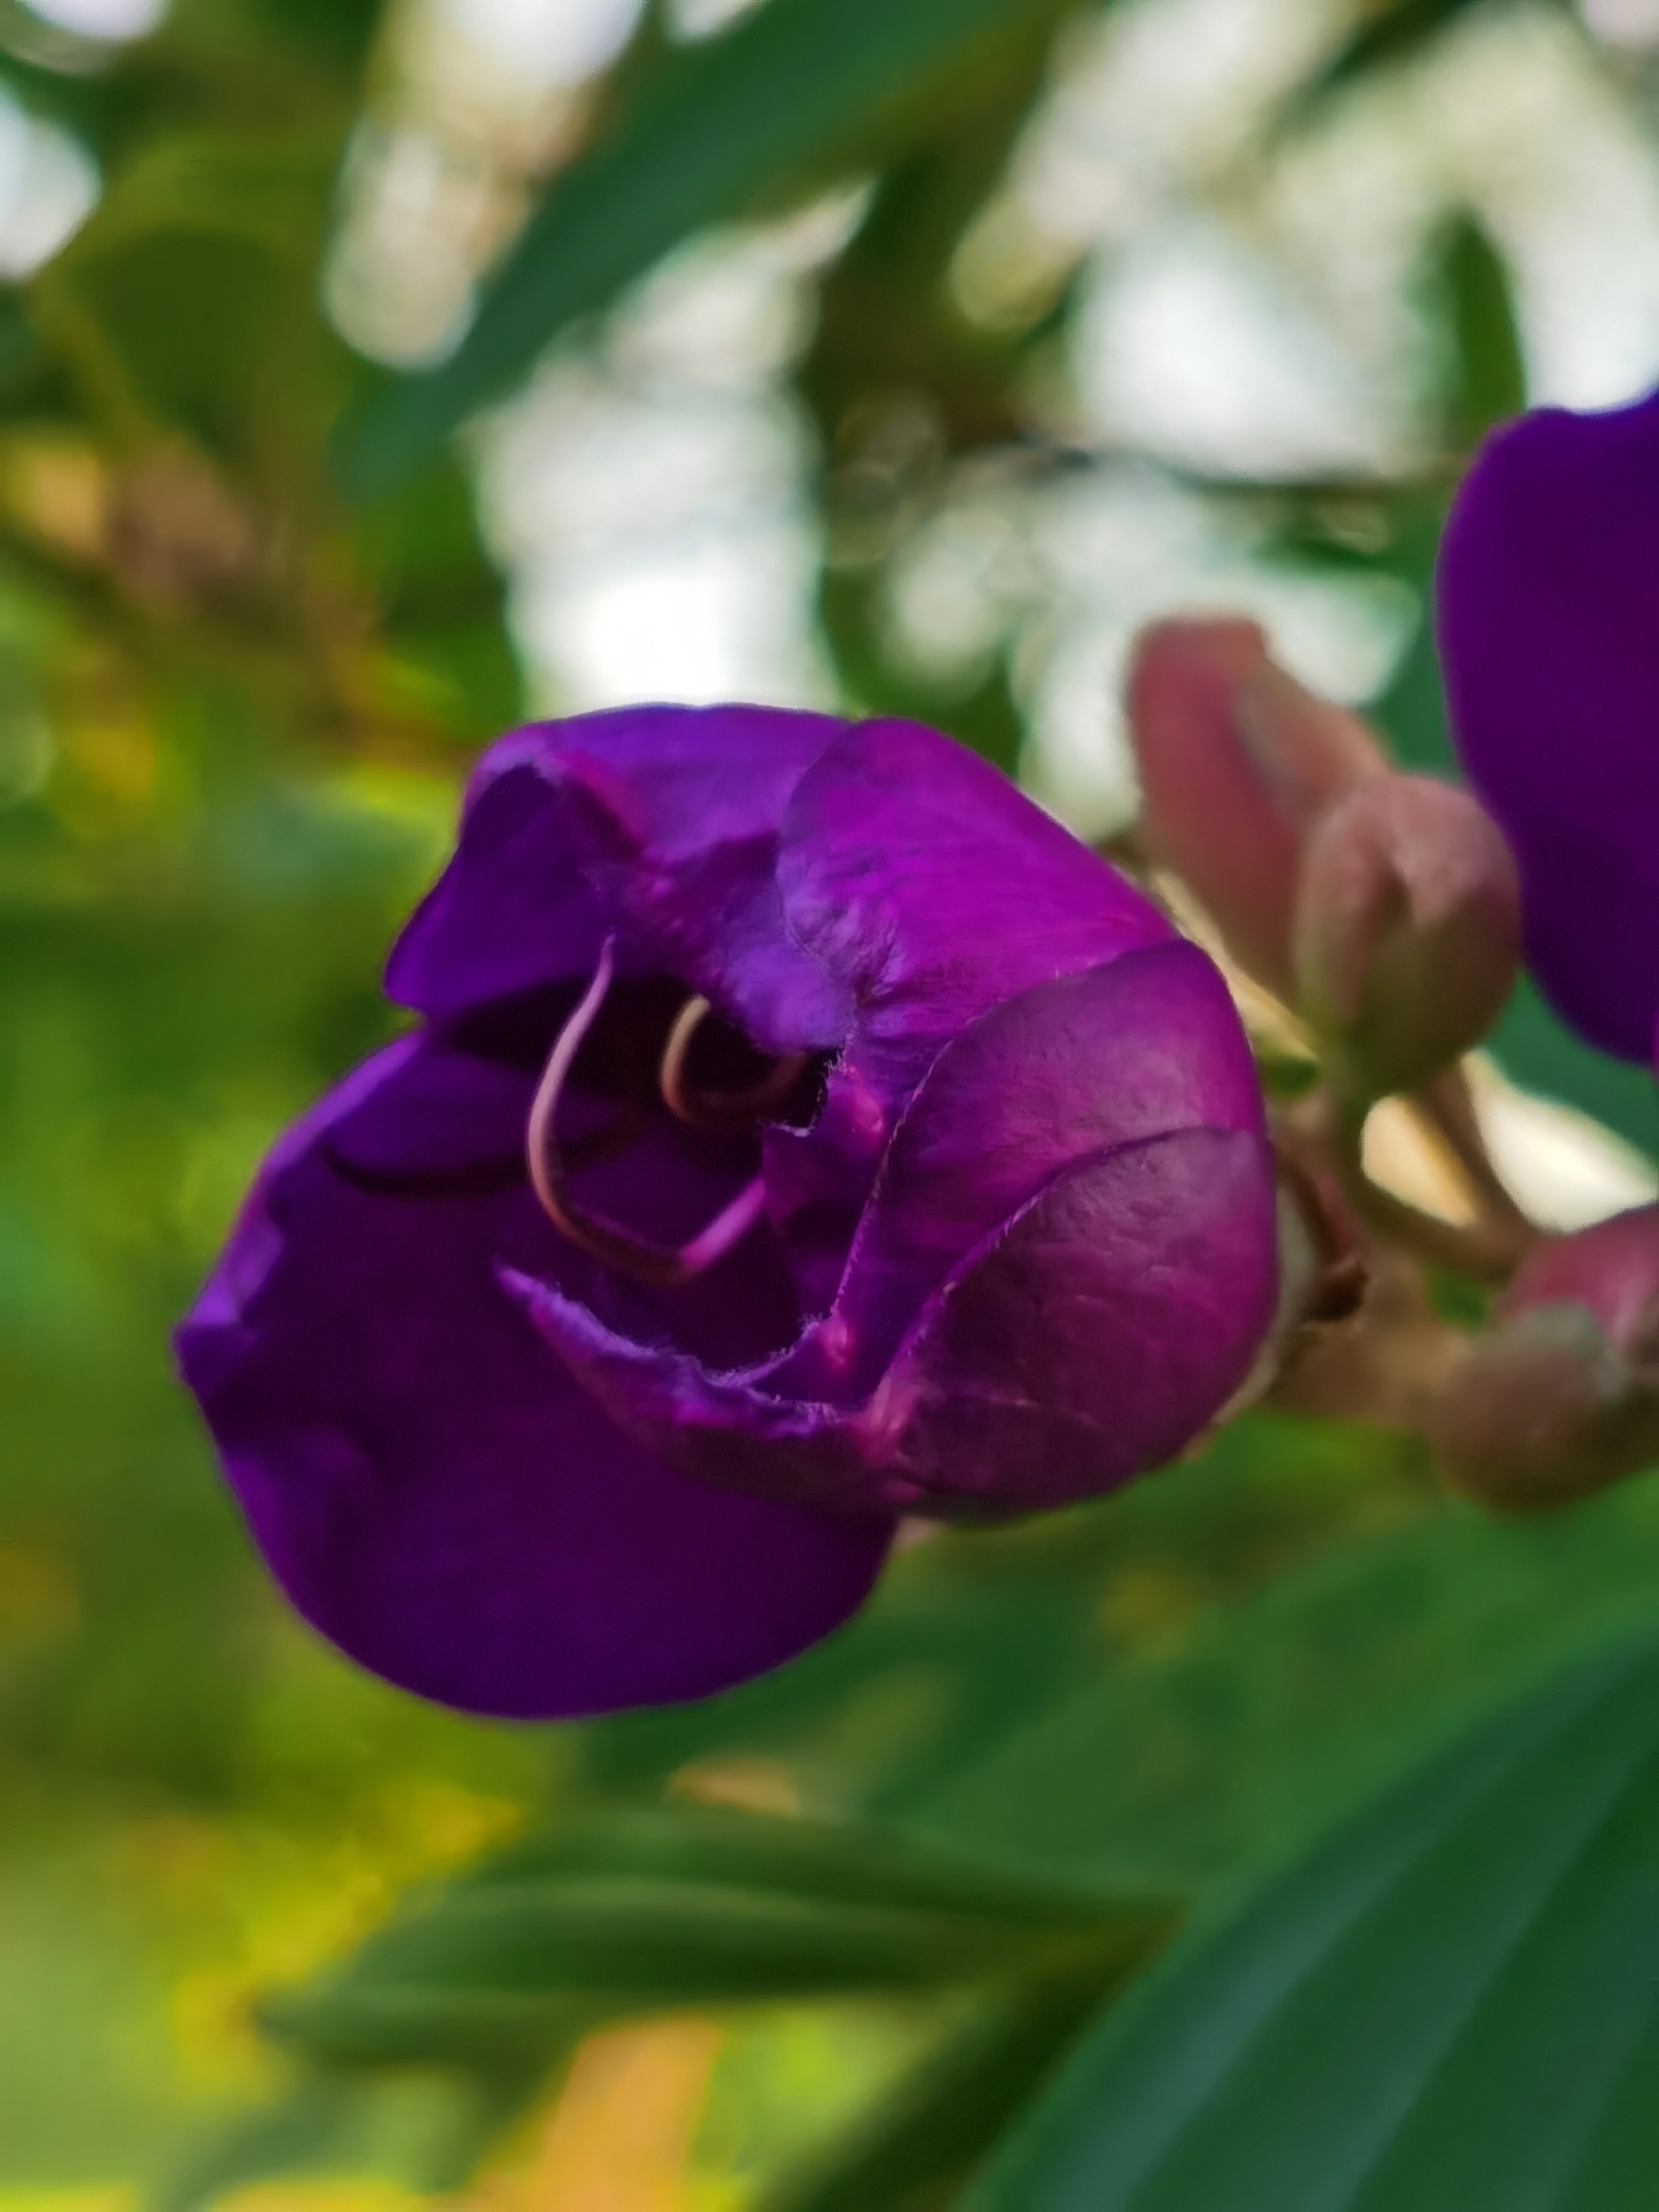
(659, 823)
(930, 890)
(1097, 1333)
(1090, 1339)
(1106, 1126)
(1075, 1067)
(1548, 592)
(864, 889)
(433, 1490)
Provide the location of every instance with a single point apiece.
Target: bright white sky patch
(549, 42)
(1624, 22)
(48, 187)
(101, 19)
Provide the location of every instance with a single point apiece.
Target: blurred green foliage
(1447, 2002)
(234, 705)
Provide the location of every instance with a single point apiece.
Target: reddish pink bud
(1236, 760)
(1407, 931)
(1612, 1268)
(1562, 1397)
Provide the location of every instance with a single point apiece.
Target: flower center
(699, 1108)
(719, 1109)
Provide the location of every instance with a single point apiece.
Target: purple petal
(452, 1125)
(728, 1428)
(430, 1120)
(513, 910)
(430, 1487)
(1099, 1335)
(930, 889)
(1067, 1071)
(663, 820)
(818, 1182)
(1549, 634)
(667, 1185)
(694, 798)
(1090, 1337)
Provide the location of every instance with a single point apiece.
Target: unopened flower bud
(1562, 1397)
(1612, 1268)
(1407, 931)
(1237, 761)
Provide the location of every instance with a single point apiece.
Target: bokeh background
(914, 386)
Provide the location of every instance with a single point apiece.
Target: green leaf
(719, 1850)
(1275, 1712)
(1488, 380)
(642, 1913)
(1451, 2002)
(946, 2110)
(792, 90)
(431, 2024)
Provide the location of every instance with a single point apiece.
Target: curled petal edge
(1137, 1238)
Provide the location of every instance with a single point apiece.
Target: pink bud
(1407, 931)
(1612, 1268)
(1562, 1397)
(1237, 760)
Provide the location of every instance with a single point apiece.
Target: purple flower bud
(1407, 931)
(805, 1131)
(1562, 1397)
(1550, 640)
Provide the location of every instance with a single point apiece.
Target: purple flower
(805, 1131)
(1549, 634)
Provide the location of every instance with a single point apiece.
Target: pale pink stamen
(719, 1109)
(647, 1263)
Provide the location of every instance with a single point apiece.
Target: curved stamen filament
(719, 1109)
(659, 1264)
